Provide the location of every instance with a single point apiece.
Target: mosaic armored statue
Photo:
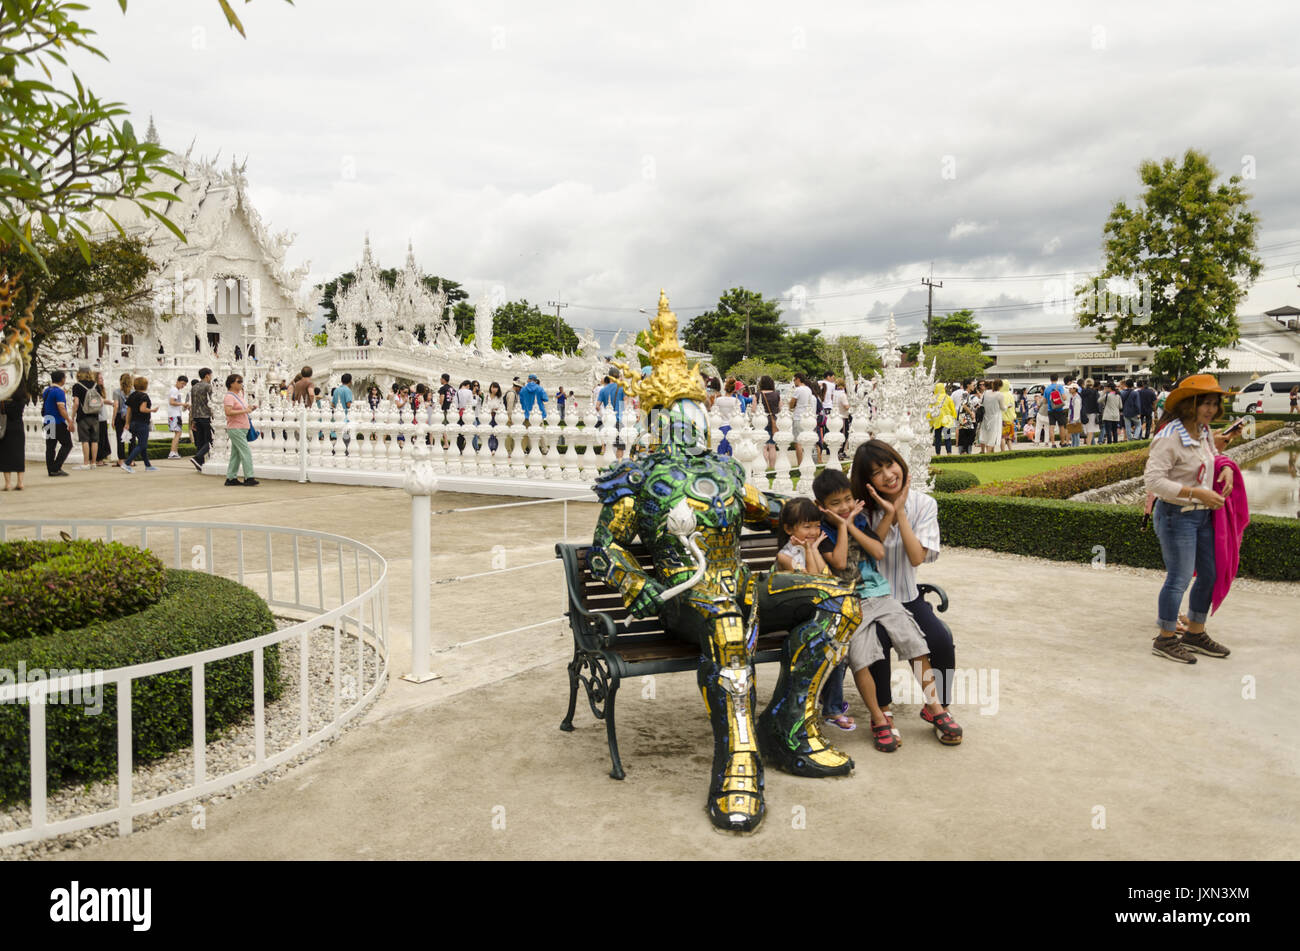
(688, 505)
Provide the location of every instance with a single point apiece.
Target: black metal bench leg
(617, 771)
(567, 723)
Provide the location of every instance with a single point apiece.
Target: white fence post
(420, 484)
(302, 443)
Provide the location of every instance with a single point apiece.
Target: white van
(1269, 394)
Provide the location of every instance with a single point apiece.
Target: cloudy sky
(829, 155)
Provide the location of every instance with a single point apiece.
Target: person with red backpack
(1057, 411)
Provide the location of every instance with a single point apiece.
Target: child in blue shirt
(852, 550)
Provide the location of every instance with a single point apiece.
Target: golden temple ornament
(671, 378)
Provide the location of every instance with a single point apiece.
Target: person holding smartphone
(1180, 474)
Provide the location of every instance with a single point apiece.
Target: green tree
(77, 297)
(863, 356)
(803, 351)
(752, 368)
(956, 362)
(959, 327)
(723, 331)
(521, 327)
(64, 152)
(1188, 245)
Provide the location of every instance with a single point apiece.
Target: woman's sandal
(945, 727)
(883, 736)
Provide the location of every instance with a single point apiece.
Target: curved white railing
(341, 583)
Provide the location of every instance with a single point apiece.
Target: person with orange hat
(1180, 474)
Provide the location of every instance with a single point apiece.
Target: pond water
(1273, 483)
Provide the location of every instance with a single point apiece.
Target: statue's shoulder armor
(619, 481)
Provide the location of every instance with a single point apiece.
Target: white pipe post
(420, 484)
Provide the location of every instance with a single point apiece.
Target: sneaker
(197, 465)
(233, 482)
(1202, 643)
(127, 469)
(150, 468)
(251, 481)
(59, 473)
(1171, 648)
(173, 455)
(83, 468)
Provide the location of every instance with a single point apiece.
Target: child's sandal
(884, 738)
(898, 737)
(945, 727)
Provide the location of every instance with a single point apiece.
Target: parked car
(1268, 394)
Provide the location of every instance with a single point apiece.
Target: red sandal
(884, 738)
(945, 727)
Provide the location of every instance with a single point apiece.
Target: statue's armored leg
(726, 679)
(788, 729)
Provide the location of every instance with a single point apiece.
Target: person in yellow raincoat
(943, 417)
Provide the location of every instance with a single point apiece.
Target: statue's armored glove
(648, 601)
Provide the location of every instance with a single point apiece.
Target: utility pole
(557, 304)
(929, 307)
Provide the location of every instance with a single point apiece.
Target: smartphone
(1234, 427)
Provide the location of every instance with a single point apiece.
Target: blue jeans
(1187, 543)
(140, 433)
(1132, 427)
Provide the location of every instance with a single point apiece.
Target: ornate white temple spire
(151, 136)
(410, 255)
(366, 259)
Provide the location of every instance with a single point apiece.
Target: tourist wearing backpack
(87, 402)
(1057, 411)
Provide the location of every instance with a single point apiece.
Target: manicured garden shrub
(953, 480)
(196, 612)
(47, 586)
(1071, 531)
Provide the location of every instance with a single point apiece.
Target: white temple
(226, 290)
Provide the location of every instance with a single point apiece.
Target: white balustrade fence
(339, 583)
(539, 458)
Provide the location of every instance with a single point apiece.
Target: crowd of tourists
(113, 427)
(990, 416)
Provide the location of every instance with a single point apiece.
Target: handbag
(252, 433)
(1074, 427)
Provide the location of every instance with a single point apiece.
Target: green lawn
(1002, 469)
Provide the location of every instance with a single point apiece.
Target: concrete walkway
(1081, 744)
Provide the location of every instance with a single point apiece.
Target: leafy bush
(197, 612)
(46, 586)
(1090, 474)
(1070, 531)
(1098, 450)
(953, 480)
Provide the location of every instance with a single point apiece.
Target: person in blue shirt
(58, 424)
(1058, 406)
(342, 395)
(532, 395)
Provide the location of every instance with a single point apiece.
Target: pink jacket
(1229, 524)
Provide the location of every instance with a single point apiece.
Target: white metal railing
(341, 583)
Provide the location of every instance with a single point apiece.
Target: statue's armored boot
(726, 679)
(788, 730)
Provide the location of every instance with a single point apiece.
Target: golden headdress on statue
(15, 336)
(671, 378)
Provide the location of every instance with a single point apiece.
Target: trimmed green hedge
(1070, 531)
(197, 612)
(954, 480)
(46, 586)
(1100, 449)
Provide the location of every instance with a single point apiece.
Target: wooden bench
(605, 651)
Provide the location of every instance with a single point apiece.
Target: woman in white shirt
(906, 520)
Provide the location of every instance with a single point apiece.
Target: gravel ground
(233, 751)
